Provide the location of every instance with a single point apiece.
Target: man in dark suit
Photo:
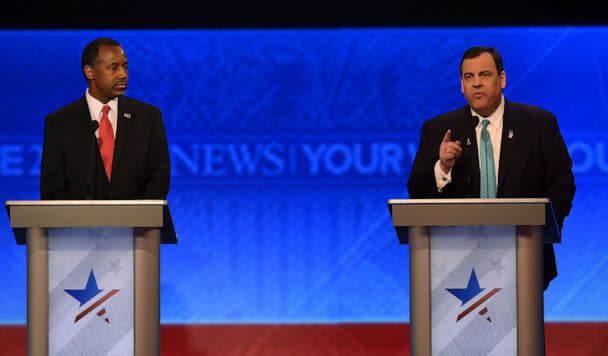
(105, 145)
(493, 148)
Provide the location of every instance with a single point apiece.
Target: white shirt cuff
(441, 179)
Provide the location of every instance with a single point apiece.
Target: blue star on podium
(86, 294)
(468, 293)
(471, 291)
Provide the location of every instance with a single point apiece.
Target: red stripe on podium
(572, 339)
(478, 303)
(96, 304)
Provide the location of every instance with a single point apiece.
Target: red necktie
(106, 141)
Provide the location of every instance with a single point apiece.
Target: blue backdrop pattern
(285, 146)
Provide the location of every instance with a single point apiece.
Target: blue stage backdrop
(285, 147)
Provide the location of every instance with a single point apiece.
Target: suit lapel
(84, 118)
(123, 130)
(508, 146)
(88, 141)
(85, 131)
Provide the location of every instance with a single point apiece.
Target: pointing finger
(448, 136)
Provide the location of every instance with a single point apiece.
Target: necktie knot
(106, 109)
(485, 123)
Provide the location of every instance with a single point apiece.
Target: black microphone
(93, 128)
(470, 158)
(475, 121)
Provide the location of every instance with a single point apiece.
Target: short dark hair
(90, 54)
(476, 51)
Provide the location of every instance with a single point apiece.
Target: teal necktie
(488, 177)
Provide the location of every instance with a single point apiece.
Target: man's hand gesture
(449, 152)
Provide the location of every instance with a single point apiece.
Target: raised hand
(449, 152)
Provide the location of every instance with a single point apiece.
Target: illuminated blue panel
(285, 147)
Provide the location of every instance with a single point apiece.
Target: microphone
(470, 157)
(475, 121)
(94, 126)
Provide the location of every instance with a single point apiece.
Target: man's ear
(503, 79)
(89, 72)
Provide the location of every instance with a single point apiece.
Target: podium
(476, 273)
(93, 271)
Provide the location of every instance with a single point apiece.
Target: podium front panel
(473, 290)
(90, 286)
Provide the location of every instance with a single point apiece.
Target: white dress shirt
(95, 109)
(495, 131)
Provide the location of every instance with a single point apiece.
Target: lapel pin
(127, 115)
(510, 135)
(468, 141)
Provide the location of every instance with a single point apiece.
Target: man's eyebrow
(480, 72)
(117, 63)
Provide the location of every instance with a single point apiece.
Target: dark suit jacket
(140, 169)
(534, 163)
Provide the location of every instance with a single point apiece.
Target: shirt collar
(495, 118)
(95, 105)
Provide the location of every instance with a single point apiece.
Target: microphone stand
(94, 127)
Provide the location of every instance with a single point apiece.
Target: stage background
(286, 145)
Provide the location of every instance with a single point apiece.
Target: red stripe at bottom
(571, 339)
(292, 340)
